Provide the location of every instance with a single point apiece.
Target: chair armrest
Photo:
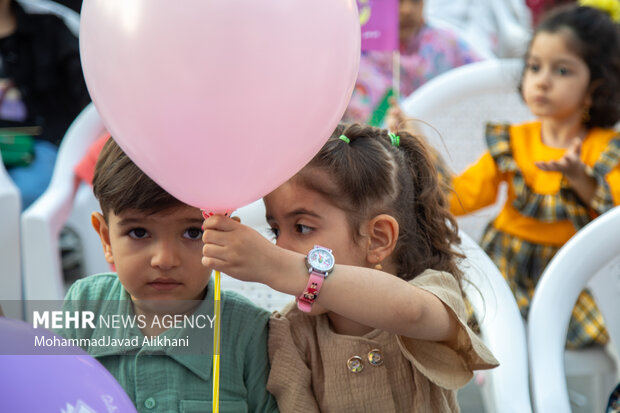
(41, 225)
(502, 328)
(43, 220)
(70, 17)
(10, 254)
(574, 266)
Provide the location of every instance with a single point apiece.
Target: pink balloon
(220, 101)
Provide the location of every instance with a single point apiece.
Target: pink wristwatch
(320, 262)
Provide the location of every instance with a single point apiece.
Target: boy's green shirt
(163, 379)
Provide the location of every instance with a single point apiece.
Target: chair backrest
(458, 104)
(43, 220)
(591, 258)
(70, 17)
(10, 249)
(506, 388)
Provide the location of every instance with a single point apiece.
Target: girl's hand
(574, 170)
(237, 250)
(395, 118)
(570, 165)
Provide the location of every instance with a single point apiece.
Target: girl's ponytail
(432, 228)
(371, 172)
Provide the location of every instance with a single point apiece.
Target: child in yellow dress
(562, 169)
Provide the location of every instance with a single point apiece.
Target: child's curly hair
(595, 38)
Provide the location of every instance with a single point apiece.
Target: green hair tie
(344, 138)
(394, 139)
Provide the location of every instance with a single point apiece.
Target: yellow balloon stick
(216, 329)
(216, 345)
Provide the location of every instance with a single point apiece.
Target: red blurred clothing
(540, 7)
(85, 170)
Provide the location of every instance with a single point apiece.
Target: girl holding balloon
(380, 323)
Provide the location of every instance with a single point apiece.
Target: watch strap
(311, 292)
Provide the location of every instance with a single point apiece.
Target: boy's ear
(102, 229)
(382, 237)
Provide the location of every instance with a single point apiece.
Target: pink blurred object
(220, 102)
(379, 24)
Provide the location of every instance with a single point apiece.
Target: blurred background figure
(42, 90)
(540, 7)
(502, 26)
(75, 5)
(425, 52)
(614, 401)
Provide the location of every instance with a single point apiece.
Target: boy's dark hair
(120, 185)
(370, 176)
(595, 38)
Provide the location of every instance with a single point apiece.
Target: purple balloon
(74, 382)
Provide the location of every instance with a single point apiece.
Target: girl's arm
(370, 297)
(381, 300)
(477, 187)
(584, 186)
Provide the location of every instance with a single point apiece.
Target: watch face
(321, 259)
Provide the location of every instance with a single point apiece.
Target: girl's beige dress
(314, 369)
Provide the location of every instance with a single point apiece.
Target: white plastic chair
(504, 388)
(70, 17)
(458, 104)
(591, 258)
(10, 251)
(63, 202)
(513, 21)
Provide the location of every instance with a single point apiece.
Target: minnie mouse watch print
(320, 262)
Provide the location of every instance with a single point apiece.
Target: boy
(154, 241)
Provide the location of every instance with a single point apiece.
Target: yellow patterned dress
(541, 212)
